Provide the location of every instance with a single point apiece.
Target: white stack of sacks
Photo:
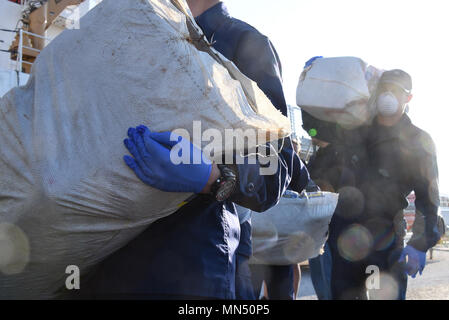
(339, 90)
(294, 230)
(66, 195)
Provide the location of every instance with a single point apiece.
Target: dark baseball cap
(319, 129)
(397, 77)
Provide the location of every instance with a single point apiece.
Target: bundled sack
(294, 230)
(66, 196)
(338, 90)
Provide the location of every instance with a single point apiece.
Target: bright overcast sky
(408, 34)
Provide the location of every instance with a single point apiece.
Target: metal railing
(20, 60)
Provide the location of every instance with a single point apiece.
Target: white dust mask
(387, 104)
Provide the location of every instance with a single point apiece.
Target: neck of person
(197, 7)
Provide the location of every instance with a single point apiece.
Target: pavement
(433, 284)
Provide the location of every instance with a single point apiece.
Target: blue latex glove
(155, 161)
(416, 260)
(311, 60)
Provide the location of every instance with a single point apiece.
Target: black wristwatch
(226, 184)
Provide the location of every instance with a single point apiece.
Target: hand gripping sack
(66, 196)
(339, 90)
(294, 230)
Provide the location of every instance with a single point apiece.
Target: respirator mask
(387, 104)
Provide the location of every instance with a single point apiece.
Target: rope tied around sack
(200, 42)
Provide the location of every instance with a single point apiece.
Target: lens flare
(355, 243)
(14, 249)
(388, 289)
(299, 243)
(351, 202)
(382, 233)
(383, 240)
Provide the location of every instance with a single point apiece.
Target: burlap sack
(294, 230)
(339, 90)
(66, 196)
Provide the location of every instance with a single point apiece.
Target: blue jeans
(320, 272)
(243, 285)
(279, 280)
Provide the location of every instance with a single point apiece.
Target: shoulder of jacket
(245, 30)
(420, 139)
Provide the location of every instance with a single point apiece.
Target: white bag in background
(338, 90)
(66, 196)
(294, 230)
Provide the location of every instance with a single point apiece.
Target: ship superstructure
(26, 27)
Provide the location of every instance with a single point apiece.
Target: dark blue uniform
(373, 174)
(278, 280)
(255, 56)
(252, 52)
(192, 253)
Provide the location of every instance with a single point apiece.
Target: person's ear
(409, 97)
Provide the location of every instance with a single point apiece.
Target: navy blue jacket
(403, 159)
(385, 164)
(255, 56)
(252, 52)
(192, 252)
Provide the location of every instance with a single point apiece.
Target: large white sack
(66, 196)
(338, 90)
(294, 230)
(10, 79)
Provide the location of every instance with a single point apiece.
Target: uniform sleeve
(258, 191)
(425, 228)
(256, 57)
